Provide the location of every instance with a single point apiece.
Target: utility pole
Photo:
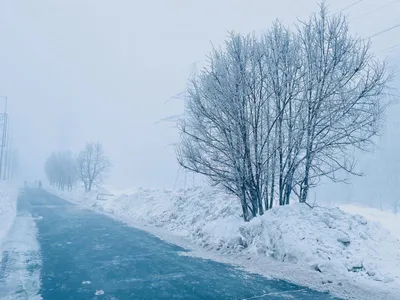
(8, 154)
(3, 135)
(10, 151)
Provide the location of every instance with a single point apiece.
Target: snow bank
(8, 208)
(333, 246)
(22, 264)
(386, 218)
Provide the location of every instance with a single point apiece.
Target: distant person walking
(40, 184)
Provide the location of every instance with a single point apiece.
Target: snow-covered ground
(19, 249)
(386, 218)
(331, 249)
(21, 261)
(8, 208)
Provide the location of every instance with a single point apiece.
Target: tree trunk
(305, 185)
(244, 204)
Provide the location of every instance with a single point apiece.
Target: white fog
(117, 74)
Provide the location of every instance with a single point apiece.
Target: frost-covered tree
(268, 117)
(344, 90)
(92, 165)
(220, 137)
(284, 72)
(60, 169)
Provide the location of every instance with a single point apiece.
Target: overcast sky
(108, 71)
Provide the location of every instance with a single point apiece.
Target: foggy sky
(108, 71)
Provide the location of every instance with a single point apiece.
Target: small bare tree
(92, 165)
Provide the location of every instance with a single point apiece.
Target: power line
(385, 30)
(350, 5)
(389, 48)
(380, 32)
(375, 10)
(380, 7)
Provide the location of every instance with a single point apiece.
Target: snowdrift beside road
(337, 246)
(8, 208)
(386, 218)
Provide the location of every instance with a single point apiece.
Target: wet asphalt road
(86, 255)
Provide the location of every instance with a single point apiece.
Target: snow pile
(328, 240)
(197, 213)
(77, 195)
(8, 210)
(386, 218)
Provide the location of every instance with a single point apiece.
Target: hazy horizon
(78, 71)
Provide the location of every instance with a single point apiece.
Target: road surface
(60, 251)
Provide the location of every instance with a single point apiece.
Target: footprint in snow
(99, 292)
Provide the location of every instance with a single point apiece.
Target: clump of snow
(325, 241)
(99, 292)
(8, 209)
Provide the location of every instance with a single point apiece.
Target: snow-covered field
(8, 209)
(353, 256)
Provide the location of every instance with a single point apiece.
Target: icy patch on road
(21, 261)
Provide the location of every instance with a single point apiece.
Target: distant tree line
(61, 170)
(271, 116)
(89, 167)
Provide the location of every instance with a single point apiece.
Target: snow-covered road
(86, 255)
